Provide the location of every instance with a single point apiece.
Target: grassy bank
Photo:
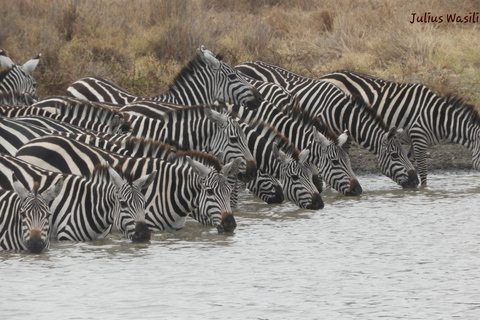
(142, 44)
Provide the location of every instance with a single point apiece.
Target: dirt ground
(440, 157)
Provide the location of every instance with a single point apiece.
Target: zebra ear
(209, 58)
(303, 156)
(232, 167)
(392, 133)
(282, 157)
(53, 191)
(215, 116)
(115, 177)
(19, 188)
(320, 139)
(5, 61)
(31, 64)
(144, 181)
(399, 134)
(276, 151)
(198, 167)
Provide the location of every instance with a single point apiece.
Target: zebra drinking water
(426, 117)
(24, 216)
(178, 188)
(340, 112)
(86, 209)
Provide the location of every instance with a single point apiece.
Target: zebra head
(394, 162)
(18, 78)
(228, 85)
(214, 205)
(334, 163)
(35, 214)
(266, 188)
(131, 216)
(296, 177)
(229, 142)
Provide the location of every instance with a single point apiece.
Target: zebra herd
(99, 158)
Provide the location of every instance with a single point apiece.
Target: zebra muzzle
(412, 181)
(227, 225)
(355, 189)
(317, 202)
(142, 232)
(35, 244)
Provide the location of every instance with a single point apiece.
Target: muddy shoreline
(444, 157)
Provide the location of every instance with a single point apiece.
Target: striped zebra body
(141, 147)
(15, 132)
(24, 216)
(307, 132)
(180, 186)
(205, 79)
(199, 127)
(84, 114)
(426, 117)
(16, 83)
(340, 112)
(85, 209)
(276, 156)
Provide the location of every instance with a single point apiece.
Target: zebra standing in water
(340, 112)
(24, 216)
(17, 85)
(85, 209)
(205, 79)
(180, 186)
(426, 117)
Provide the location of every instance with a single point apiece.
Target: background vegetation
(142, 44)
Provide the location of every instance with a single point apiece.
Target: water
(387, 254)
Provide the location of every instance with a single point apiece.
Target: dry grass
(142, 44)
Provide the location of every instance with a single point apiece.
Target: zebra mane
(186, 110)
(4, 72)
(156, 147)
(100, 173)
(459, 104)
(298, 114)
(272, 134)
(187, 70)
(100, 109)
(206, 159)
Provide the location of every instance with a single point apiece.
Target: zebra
(205, 79)
(89, 115)
(24, 216)
(16, 82)
(276, 156)
(339, 112)
(305, 131)
(180, 186)
(426, 117)
(208, 128)
(85, 209)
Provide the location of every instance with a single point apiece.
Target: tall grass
(142, 44)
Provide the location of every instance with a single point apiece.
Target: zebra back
(205, 79)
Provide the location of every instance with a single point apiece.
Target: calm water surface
(387, 254)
